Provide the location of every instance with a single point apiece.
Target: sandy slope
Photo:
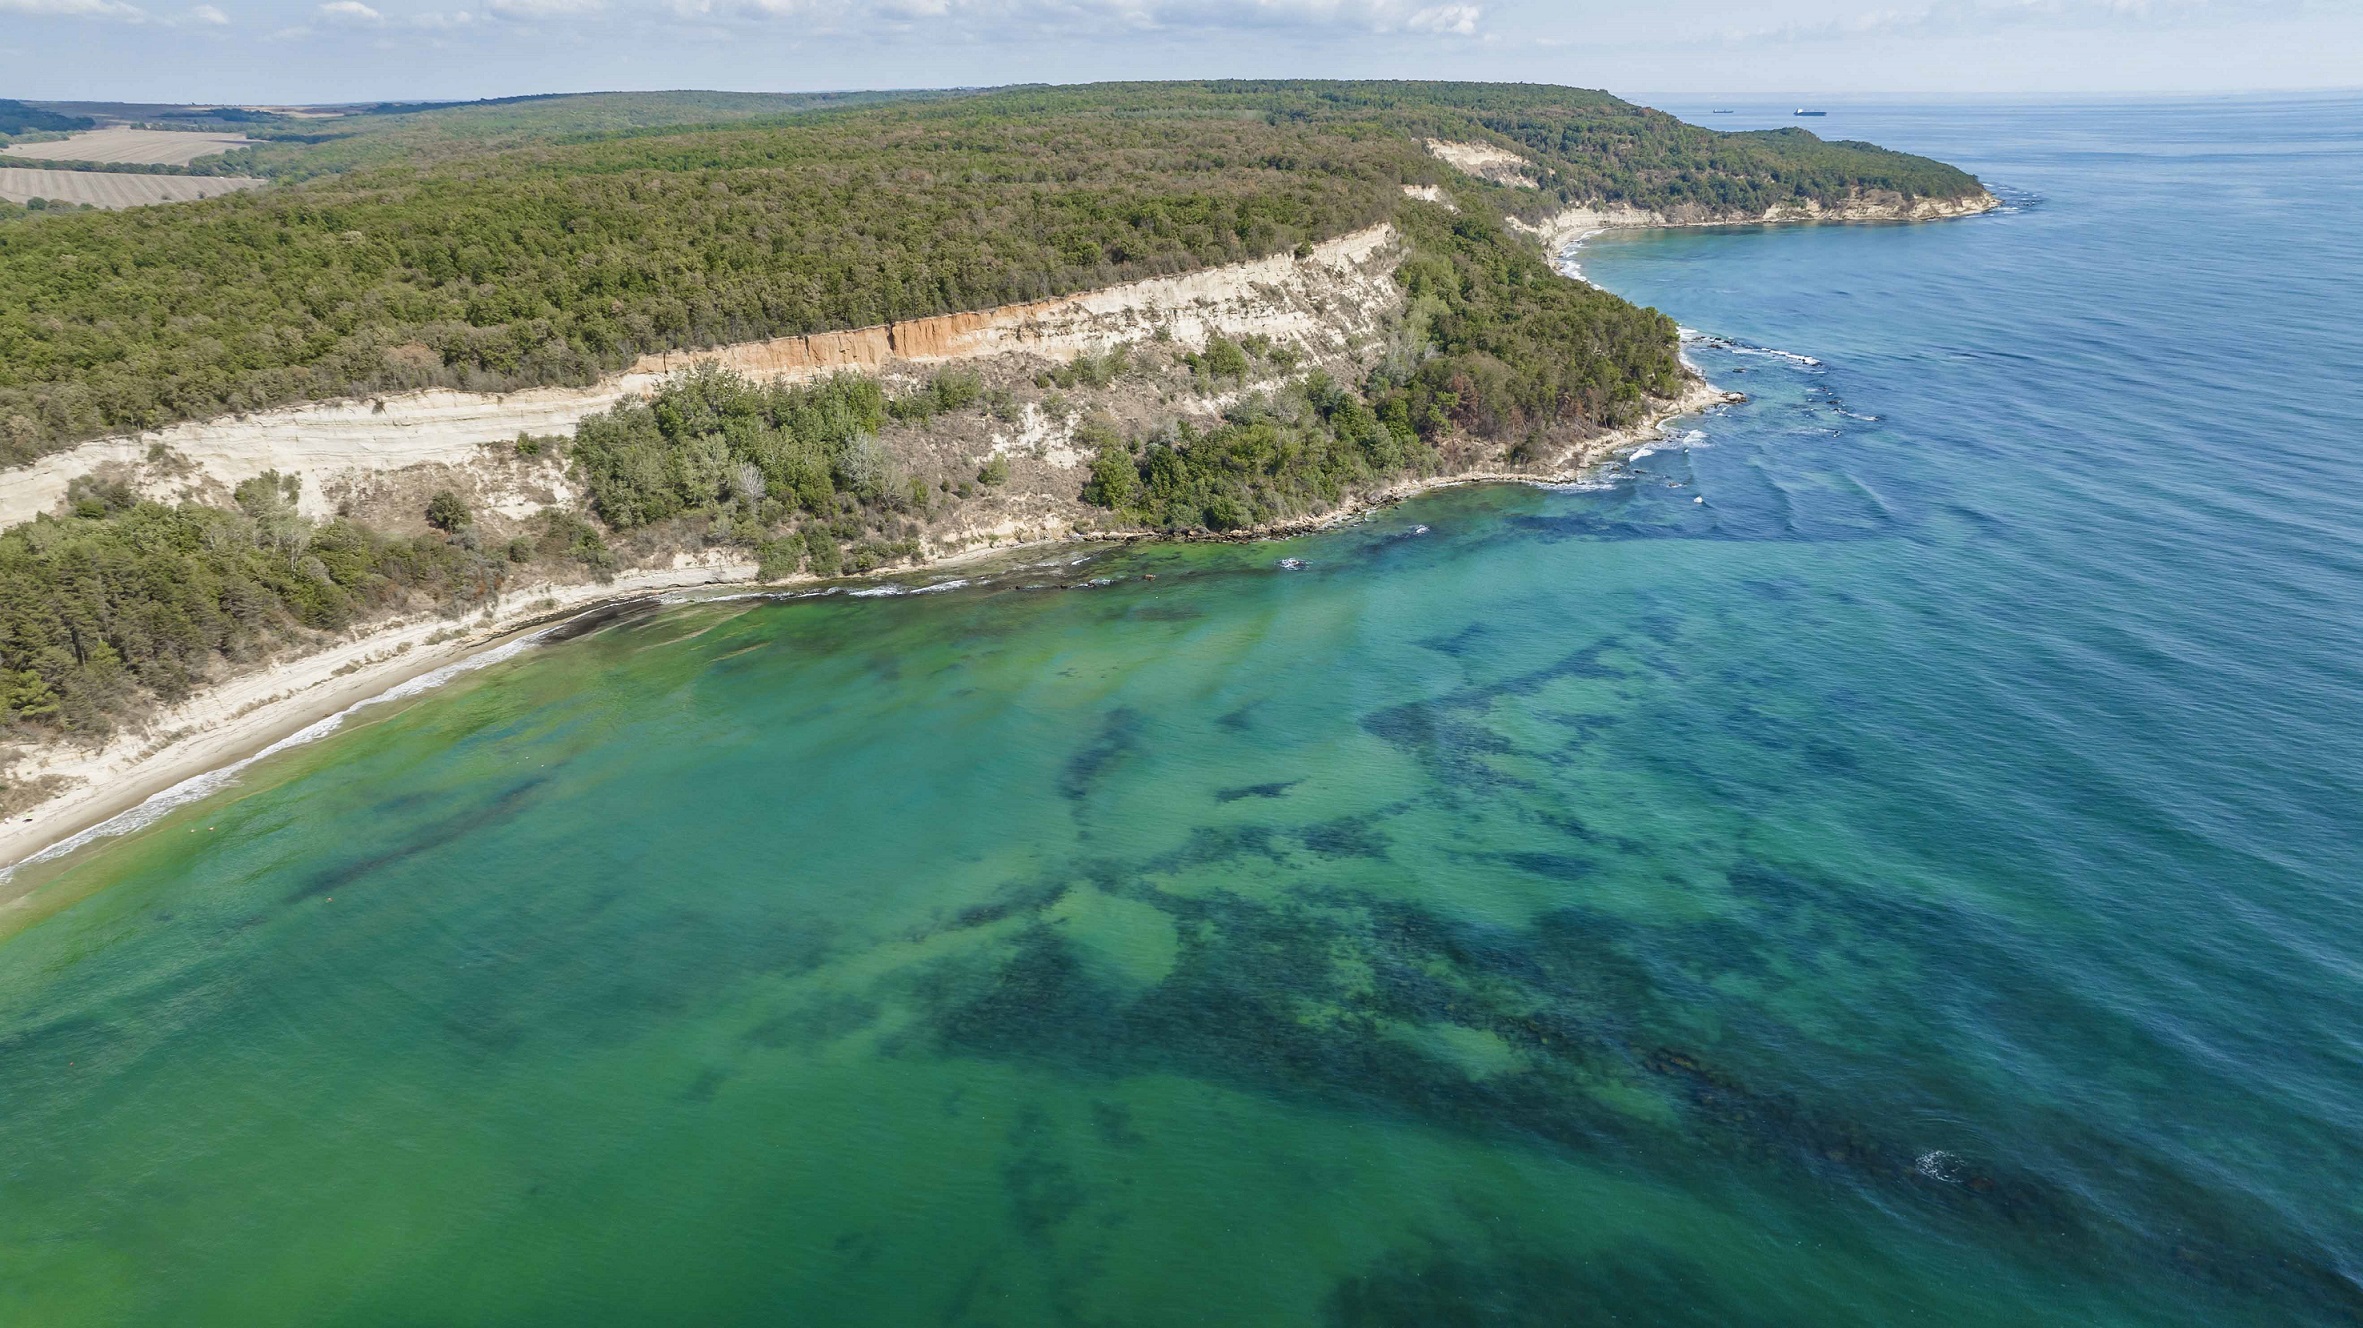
(1486, 162)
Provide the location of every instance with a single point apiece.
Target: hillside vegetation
(294, 150)
(125, 603)
(553, 262)
(556, 262)
(18, 118)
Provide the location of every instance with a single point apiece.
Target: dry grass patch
(106, 189)
(132, 147)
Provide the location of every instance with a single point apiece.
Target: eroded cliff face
(1327, 306)
(1487, 161)
(1332, 306)
(1870, 206)
(1317, 303)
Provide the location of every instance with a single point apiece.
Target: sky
(299, 51)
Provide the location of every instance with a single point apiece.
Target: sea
(1890, 853)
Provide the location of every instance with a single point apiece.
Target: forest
(120, 602)
(549, 262)
(18, 118)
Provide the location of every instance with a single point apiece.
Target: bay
(1918, 880)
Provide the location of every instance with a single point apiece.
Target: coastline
(1558, 229)
(211, 734)
(246, 716)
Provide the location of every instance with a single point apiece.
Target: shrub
(446, 511)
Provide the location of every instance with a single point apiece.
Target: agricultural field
(110, 189)
(141, 147)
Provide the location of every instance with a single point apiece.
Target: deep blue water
(1894, 853)
(2115, 635)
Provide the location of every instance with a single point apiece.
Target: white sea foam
(199, 786)
(1789, 355)
(672, 598)
(1693, 337)
(1941, 1165)
(1566, 262)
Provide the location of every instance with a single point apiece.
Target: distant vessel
(1803, 111)
(1722, 112)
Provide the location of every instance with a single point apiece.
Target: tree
(446, 511)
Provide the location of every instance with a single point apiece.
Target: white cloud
(208, 14)
(1981, 17)
(534, 9)
(1330, 15)
(351, 14)
(102, 9)
(1085, 17)
(1460, 20)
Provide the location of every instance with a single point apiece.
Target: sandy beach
(249, 713)
(246, 715)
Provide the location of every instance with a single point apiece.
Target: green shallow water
(1915, 884)
(1016, 955)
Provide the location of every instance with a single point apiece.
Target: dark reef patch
(1112, 1121)
(1447, 733)
(1631, 1283)
(824, 1018)
(1346, 837)
(502, 806)
(1467, 641)
(1118, 737)
(589, 621)
(1294, 999)
(1554, 866)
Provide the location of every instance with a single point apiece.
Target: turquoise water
(1919, 882)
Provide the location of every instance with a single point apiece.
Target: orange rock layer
(947, 336)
